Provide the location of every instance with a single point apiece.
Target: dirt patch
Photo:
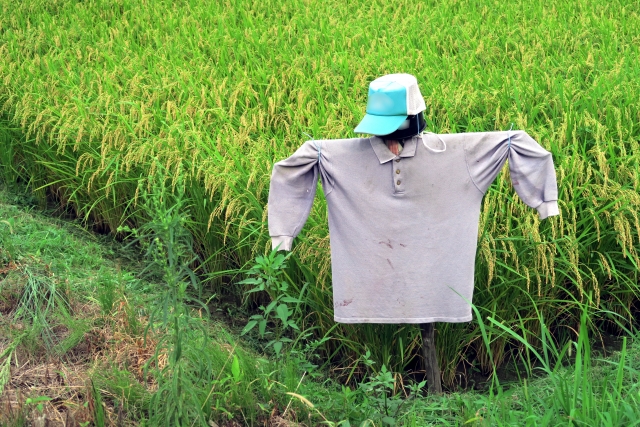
(53, 386)
(50, 394)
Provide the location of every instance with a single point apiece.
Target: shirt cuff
(549, 208)
(284, 242)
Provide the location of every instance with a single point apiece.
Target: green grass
(94, 94)
(74, 308)
(222, 379)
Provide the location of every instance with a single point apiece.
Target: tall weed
(571, 390)
(39, 298)
(198, 380)
(267, 278)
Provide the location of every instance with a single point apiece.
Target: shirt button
(397, 160)
(398, 182)
(397, 170)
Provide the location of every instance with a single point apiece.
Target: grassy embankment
(94, 95)
(75, 351)
(83, 338)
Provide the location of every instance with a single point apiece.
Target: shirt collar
(385, 155)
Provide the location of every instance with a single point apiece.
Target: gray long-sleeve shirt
(404, 229)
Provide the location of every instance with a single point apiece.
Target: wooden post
(434, 386)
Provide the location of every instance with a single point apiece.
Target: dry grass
(65, 379)
(65, 384)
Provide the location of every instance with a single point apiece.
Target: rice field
(99, 97)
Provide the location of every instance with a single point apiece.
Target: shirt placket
(398, 175)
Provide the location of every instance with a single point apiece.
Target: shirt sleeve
(292, 190)
(531, 167)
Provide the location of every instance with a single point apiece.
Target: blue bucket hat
(392, 98)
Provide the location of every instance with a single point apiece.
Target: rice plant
(95, 95)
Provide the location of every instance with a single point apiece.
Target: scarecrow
(404, 207)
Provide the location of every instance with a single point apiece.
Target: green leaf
(31, 400)
(277, 346)
(278, 261)
(250, 281)
(270, 307)
(249, 326)
(262, 326)
(283, 313)
(235, 368)
(290, 299)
